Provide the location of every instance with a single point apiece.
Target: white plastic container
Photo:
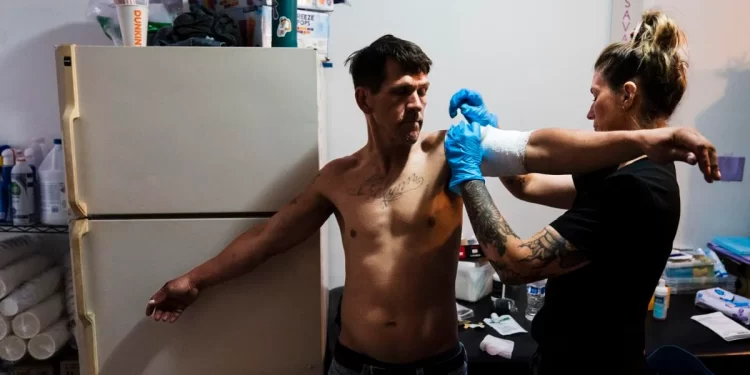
(43, 149)
(133, 17)
(15, 248)
(22, 193)
(12, 348)
(54, 205)
(32, 292)
(36, 319)
(473, 281)
(19, 272)
(661, 300)
(49, 342)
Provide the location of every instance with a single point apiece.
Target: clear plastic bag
(160, 13)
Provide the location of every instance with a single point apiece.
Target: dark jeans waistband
(442, 363)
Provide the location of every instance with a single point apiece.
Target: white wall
(531, 60)
(29, 31)
(716, 103)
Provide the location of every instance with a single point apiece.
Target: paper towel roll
(15, 248)
(5, 328)
(32, 292)
(34, 320)
(12, 348)
(19, 272)
(50, 341)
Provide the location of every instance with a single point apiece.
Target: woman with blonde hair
(605, 255)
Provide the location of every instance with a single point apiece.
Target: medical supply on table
(22, 193)
(535, 293)
(9, 160)
(727, 328)
(53, 202)
(719, 269)
(730, 304)
(737, 245)
(463, 312)
(661, 300)
(682, 285)
(497, 346)
(473, 280)
(688, 264)
(503, 305)
(504, 324)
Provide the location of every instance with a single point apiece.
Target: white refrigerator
(170, 153)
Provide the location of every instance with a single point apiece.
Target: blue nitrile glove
(472, 107)
(463, 152)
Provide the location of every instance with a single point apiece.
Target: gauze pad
(504, 152)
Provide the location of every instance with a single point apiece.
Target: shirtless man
(400, 224)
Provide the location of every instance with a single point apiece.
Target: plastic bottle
(661, 300)
(42, 144)
(535, 293)
(37, 151)
(5, 205)
(54, 205)
(33, 161)
(284, 23)
(22, 193)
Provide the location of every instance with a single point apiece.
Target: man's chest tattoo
(377, 187)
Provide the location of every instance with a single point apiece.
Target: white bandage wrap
(504, 152)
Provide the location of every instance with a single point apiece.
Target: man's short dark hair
(368, 64)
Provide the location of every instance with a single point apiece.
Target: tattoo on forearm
(489, 226)
(548, 247)
(493, 232)
(377, 187)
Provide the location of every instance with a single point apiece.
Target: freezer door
(188, 130)
(267, 322)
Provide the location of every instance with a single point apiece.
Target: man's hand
(472, 107)
(172, 299)
(682, 144)
(463, 152)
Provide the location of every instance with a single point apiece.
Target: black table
(678, 329)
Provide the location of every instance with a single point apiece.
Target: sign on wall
(626, 14)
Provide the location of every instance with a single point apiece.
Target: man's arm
(517, 261)
(549, 190)
(292, 225)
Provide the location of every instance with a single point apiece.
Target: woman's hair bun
(658, 33)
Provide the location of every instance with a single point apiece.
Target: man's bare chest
(415, 202)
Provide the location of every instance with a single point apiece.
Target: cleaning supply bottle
(284, 23)
(661, 300)
(33, 161)
(43, 149)
(54, 205)
(7, 167)
(22, 193)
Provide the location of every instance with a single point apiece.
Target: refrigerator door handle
(69, 106)
(84, 316)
